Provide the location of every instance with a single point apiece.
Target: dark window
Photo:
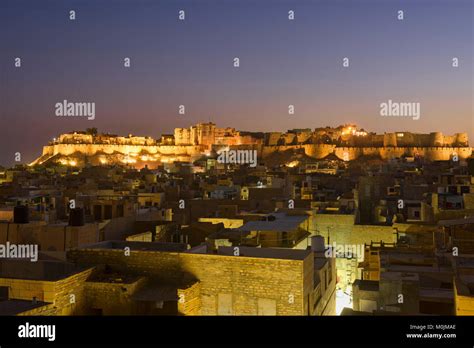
(119, 210)
(107, 212)
(97, 212)
(285, 239)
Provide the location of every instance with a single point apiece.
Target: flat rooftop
(113, 278)
(367, 285)
(281, 223)
(400, 276)
(266, 253)
(137, 246)
(417, 269)
(47, 270)
(15, 307)
(455, 222)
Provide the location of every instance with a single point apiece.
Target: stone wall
(49, 237)
(189, 300)
(464, 303)
(64, 288)
(93, 149)
(112, 298)
(317, 151)
(58, 293)
(246, 279)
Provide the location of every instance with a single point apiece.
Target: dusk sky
(190, 62)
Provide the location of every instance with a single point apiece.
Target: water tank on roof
(76, 217)
(21, 214)
(317, 244)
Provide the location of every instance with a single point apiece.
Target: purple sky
(282, 62)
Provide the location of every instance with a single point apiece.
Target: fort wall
(316, 151)
(188, 144)
(95, 149)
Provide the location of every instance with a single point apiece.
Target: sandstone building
(189, 144)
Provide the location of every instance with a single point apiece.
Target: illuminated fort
(346, 142)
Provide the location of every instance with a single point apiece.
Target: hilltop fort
(347, 143)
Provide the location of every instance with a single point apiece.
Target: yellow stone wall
(464, 304)
(58, 293)
(247, 279)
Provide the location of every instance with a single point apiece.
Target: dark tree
(91, 131)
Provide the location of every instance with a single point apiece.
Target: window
(107, 212)
(97, 212)
(284, 238)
